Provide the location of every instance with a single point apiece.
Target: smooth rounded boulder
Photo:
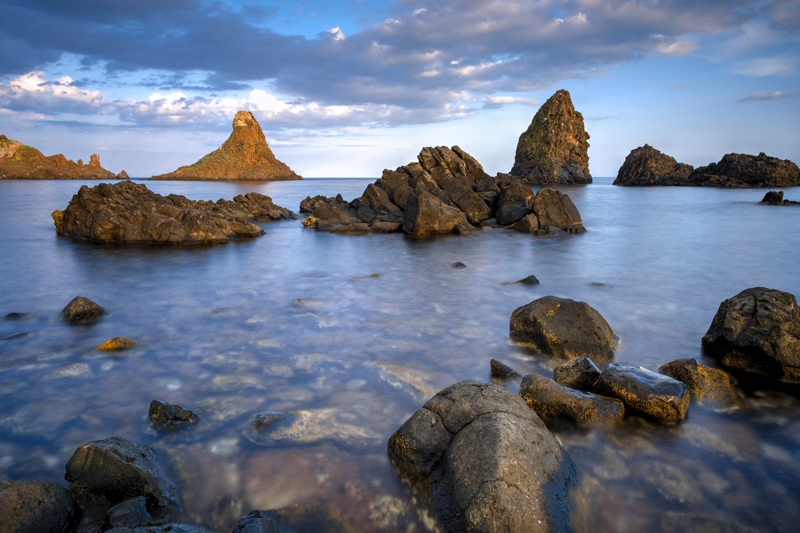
(490, 462)
(36, 506)
(564, 328)
(757, 331)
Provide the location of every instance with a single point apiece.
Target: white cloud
(337, 34)
(766, 96)
(767, 66)
(675, 48)
(34, 87)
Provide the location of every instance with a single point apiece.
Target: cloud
(768, 66)
(766, 96)
(32, 92)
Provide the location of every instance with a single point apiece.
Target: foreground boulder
(647, 166)
(244, 156)
(128, 212)
(552, 401)
(445, 191)
(18, 161)
(776, 198)
(757, 331)
(555, 147)
(81, 309)
(564, 328)
(491, 463)
(705, 384)
(656, 396)
(743, 170)
(113, 470)
(36, 506)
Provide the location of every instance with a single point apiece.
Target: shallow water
(356, 332)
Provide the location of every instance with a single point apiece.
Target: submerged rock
(552, 401)
(704, 383)
(33, 506)
(554, 148)
(564, 328)
(776, 198)
(14, 316)
(244, 156)
(168, 416)
(81, 309)
(128, 212)
(308, 427)
(647, 166)
(657, 396)
(743, 170)
(757, 331)
(491, 463)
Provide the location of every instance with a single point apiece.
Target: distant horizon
(348, 88)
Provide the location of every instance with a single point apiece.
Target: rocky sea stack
(742, 170)
(245, 156)
(554, 148)
(18, 161)
(647, 166)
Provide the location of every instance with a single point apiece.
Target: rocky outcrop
(127, 212)
(81, 309)
(28, 506)
(490, 462)
(776, 198)
(656, 396)
(169, 416)
(563, 328)
(18, 161)
(553, 401)
(757, 331)
(245, 156)
(445, 191)
(647, 166)
(554, 148)
(705, 384)
(742, 170)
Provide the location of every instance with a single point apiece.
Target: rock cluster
(554, 148)
(776, 198)
(244, 156)
(647, 166)
(18, 161)
(445, 191)
(127, 212)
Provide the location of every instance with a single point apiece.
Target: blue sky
(348, 88)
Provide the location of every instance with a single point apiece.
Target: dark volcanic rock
(130, 513)
(555, 209)
(742, 170)
(127, 212)
(553, 401)
(427, 214)
(554, 148)
(501, 370)
(81, 309)
(515, 201)
(758, 331)
(647, 166)
(491, 463)
(244, 156)
(168, 416)
(115, 470)
(581, 374)
(18, 161)
(776, 198)
(657, 396)
(564, 328)
(704, 383)
(36, 506)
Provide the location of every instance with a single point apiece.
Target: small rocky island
(19, 161)
(445, 191)
(646, 166)
(554, 148)
(128, 212)
(245, 156)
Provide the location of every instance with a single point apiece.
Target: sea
(350, 335)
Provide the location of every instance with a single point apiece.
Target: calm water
(296, 321)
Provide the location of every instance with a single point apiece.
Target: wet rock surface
(36, 506)
(81, 310)
(776, 198)
(501, 370)
(128, 212)
(168, 416)
(553, 401)
(705, 384)
(554, 148)
(757, 331)
(581, 374)
(647, 166)
(564, 328)
(445, 191)
(656, 396)
(271, 428)
(491, 463)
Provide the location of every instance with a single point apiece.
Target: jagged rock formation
(127, 212)
(18, 161)
(742, 170)
(554, 148)
(776, 198)
(445, 191)
(647, 166)
(244, 156)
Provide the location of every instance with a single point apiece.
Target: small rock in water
(14, 316)
(116, 344)
(167, 416)
(704, 383)
(81, 309)
(459, 264)
(551, 401)
(530, 280)
(502, 371)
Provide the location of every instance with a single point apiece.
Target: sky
(348, 88)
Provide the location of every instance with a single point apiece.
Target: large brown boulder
(743, 170)
(18, 161)
(427, 214)
(36, 506)
(555, 209)
(554, 148)
(490, 462)
(128, 212)
(757, 331)
(564, 328)
(244, 156)
(647, 166)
